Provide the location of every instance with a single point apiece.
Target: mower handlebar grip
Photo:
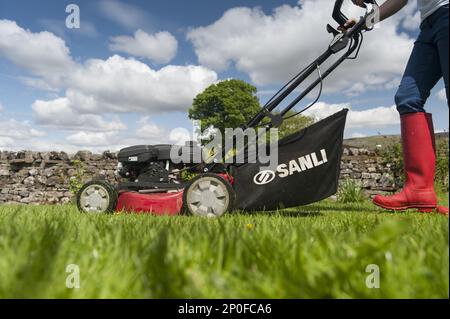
(338, 16)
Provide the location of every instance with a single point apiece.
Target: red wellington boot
(439, 209)
(419, 158)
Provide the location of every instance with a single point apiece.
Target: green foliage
(392, 154)
(186, 175)
(316, 251)
(77, 180)
(227, 104)
(294, 124)
(350, 192)
(442, 164)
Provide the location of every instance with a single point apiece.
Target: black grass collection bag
(308, 169)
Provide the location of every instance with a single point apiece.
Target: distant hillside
(372, 141)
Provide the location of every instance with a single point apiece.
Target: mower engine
(147, 164)
(150, 166)
(151, 182)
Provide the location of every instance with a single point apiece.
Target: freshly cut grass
(316, 251)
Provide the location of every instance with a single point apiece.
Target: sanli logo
(264, 177)
(295, 166)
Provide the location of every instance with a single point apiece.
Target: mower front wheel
(97, 197)
(208, 195)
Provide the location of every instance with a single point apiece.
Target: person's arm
(387, 9)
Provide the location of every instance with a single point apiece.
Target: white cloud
(42, 54)
(358, 135)
(412, 22)
(370, 118)
(146, 132)
(38, 83)
(149, 132)
(18, 130)
(6, 143)
(442, 95)
(180, 136)
(94, 91)
(128, 85)
(1, 107)
(412, 19)
(124, 14)
(60, 114)
(160, 47)
(148, 129)
(269, 47)
(84, 139)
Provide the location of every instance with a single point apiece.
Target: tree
(227, 104)
(294, 124)
(231, 103)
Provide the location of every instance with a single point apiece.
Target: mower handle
(338, 16)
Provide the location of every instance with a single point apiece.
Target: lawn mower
(309, 159)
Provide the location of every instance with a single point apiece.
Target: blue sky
(129, 73)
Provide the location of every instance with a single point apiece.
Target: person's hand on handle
(351, 22)
(348, 25)
(387, 9)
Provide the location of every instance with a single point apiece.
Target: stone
(3, 156)
(375, 176)
(54, 180)
(26, 200)
(24, 193)
(33, 172)
(48, 171)
(365, 175)
(368, 183)
(53, 197)
(29, 181)
(355, 175)
(83, 156)
(36, 196)
(109, 156)
(65, 200)
(23, 172)
(371, 169)
(41, 179)
(363, 151)
(353, 151)
(37, 156)
(386, 180)
(96, 157)
(25, 155)
(5, 172)
(63, 156)
(48, 156)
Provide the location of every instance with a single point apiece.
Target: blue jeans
(427, 65)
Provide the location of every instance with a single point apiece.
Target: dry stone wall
(44, 178)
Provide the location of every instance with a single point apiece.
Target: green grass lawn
(316, 251)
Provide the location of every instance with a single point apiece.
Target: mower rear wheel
(98, 197)
(208, 195)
